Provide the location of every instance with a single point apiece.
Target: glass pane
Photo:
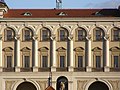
(62, 35)
(98, 34)
(80, 61)
(116, 35)
(45, 35)
(80, 35)
(9, 34)
(116, 61)
(62, 61)
(98, 61)
(26, 61)
(44, 61)
(27, 35)
(9, 61)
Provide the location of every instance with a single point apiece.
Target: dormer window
(62, 14)
(27, 14)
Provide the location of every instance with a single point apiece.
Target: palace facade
(79, 49)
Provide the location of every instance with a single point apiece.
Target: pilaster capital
(106, 37)
(35, 37)
(53, 37)
(88, 37)
(17, 37)
(70, 37)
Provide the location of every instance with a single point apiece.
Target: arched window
(9, 34)
(62, 57)
(115, 34)
(44, 57)
(45, 34)
(79, 57)
(62, 34)
(97, 57)
(115, 54)
(26, 62)
(8, 53)
(27, 34)
(80, 34)
(98, 34)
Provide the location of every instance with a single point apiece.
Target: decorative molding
(115, 84)
(80, 84)
(42, 84)
(8, 85)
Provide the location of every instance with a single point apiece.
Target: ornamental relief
(8, 85)
(42, 84)
(115, 84)
(80, 84)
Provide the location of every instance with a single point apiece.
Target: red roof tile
(61, 13)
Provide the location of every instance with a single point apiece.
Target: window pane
(62, 35)
(9, 34)
(45, 34)
(62, 61)
(98, 35)
(116, 61)
(44, 61)
(26, 61)
(80, 61)
(27, 35)
(116, 35)
(98, 61)
(9, 61)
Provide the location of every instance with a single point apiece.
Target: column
(89, 67)
(53, 55)
(71, 52)
(107, 67)
(35, 68)
(1, 53)
(17, 38)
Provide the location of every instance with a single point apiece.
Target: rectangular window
(98, 35)
(45, 35)
(98, 61)
(116, 61)
(27, 35)
(62, 35)
(9, 61)
(26, 61)
(9, 35)
(62, 61)
(116, 35)
(80, 35)
(44, 61)
(80, 61)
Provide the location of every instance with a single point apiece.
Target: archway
(98, 86)
(26, 86)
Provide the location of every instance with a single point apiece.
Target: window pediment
(61, 49)
(43, 49)
(114, 49)
(79, 49)
(96, 49)
(8, 49)
(25, 49)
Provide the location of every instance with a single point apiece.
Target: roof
(61, 13)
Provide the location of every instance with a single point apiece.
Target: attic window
(62, 14)
(98, 14)
(27, 14)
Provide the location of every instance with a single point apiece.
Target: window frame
(65, 35)
(48, 35)
(7, 38)
(24, 34)
(83, 35)
(113, 34)
(97, 36)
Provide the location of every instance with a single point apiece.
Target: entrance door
(98, 86)
(26, 86)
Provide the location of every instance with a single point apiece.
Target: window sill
(115, 69)
(44, 69)
(82, 69)
(10, 69)
(59, 69)
(101, 69)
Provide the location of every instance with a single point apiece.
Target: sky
(50, 4)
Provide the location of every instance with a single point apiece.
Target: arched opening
(62, 83)
(26, 86)
(98, 85)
